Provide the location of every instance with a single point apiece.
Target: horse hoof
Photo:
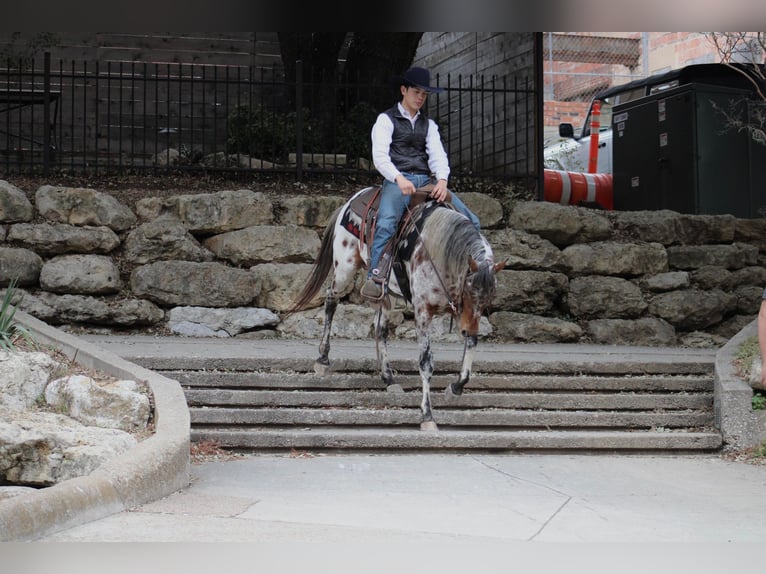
(394, 388)
(454, 390)
(429, 426)
(450, 392)
(322, 368)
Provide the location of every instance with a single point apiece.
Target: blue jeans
(390, 211)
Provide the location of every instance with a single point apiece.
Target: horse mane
(452, 240)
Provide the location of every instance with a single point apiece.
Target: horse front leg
(426, 368)
(456, 388)
(381, 345)
(322, 364)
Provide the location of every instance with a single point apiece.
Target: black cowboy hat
(418, 77)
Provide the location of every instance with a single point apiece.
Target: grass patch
(743, 364)
(743, 360)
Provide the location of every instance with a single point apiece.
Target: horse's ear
(501, 265)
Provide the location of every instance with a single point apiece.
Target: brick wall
(558, 112)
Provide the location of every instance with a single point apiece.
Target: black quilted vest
(408, 145)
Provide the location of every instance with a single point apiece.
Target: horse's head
(478, 291)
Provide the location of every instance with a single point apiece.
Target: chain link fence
(576, 66)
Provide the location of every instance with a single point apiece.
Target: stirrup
(373, 289)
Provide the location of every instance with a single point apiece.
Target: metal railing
(115, 117)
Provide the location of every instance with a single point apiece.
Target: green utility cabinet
(672, 150)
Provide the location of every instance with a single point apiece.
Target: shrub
(267, 134)
(11, 331)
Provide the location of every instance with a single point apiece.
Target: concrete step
(284, 410)
(486, 417)
(468, 400)
(386, 439)
(252, 395)
(411, 381)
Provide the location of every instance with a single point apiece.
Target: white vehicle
(573, 152)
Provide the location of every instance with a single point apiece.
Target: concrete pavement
(467, 500)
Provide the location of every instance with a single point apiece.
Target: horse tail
(321, 269)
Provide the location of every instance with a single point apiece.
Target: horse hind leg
(381, 345)
(322, 364)
(344, 269)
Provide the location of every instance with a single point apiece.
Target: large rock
(612, 258)
(120, 405)
(43, 448)
(21, 264)
(595, 296)
(14, 204)
(734, 256)
(281, 284)
(670, 227)
(83, 206)
(560, 224)
(81, 274)
(208, 213)
(58, 238)
(525, 328)
(266, 244)
(162, 239)
(23, 377)
(529, 291)
(119, 312)
(647, 331)
(692, 309)
(39, 447)
(710, 277)
(197, 284)
(309, 210)
(522, 250)
(215, 322)
(350, 322)
(488, 209)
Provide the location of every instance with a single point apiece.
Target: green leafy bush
(270, 135)
(354, 131)
(267, 134)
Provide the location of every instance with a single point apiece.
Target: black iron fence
(115, 117)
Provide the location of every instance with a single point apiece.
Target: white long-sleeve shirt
(382, 132)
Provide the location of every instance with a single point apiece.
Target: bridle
(455, 309)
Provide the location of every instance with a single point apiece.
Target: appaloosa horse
(443, 263)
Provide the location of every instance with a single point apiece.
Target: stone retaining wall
(230, 262)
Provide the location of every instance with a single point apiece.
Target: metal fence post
(299, 120)
(46, 113)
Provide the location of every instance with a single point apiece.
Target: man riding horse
(407, 151)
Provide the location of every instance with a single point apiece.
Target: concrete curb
(741, 426)
(156, 467)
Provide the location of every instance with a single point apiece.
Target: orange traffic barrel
(575, 188)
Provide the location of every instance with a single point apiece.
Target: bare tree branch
(731, 44)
